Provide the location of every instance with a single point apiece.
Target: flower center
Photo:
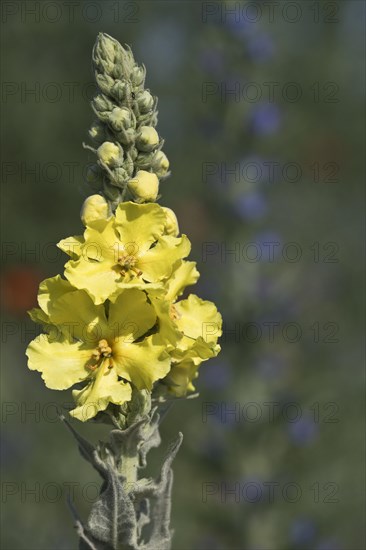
(101, 352)
(127, 263)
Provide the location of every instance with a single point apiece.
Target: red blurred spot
(19, 288)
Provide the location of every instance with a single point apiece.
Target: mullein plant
(116, 328)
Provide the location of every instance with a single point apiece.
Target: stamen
(127, 263)
(103, 350)
(173, 313)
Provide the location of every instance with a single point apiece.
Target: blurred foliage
(220, 151)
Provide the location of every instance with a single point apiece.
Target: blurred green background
(261, 106)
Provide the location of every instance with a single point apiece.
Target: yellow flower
(127, 250)
(105, 348)
(190, 327)
(94, 208)
(144, 187)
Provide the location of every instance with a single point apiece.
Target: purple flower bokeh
(265, 119)
(304, 431)
(302, 531)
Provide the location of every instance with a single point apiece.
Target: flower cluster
(116, 322)
(130, 160)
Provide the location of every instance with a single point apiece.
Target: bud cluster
(130, 160)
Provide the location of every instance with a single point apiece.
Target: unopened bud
(120, 118)
(144, 186)
(104, 82)
(102, 103)
(94, 208)
(171, 227)
(145, 101)
(161, 164)
(110, 154)
(124, 62)
(147, 139)
(138, 75)
(104, 52)
(120, 176)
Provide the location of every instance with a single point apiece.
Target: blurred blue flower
(303, 431)
(302, 531)
(253, 490)
(261, 47)
(251, 206)
(238, 24)
(265, 119)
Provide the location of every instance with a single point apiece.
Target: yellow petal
(61, 362)
(180, 377)
(168, 330)
(130, 316)
(100, 243)
(184, 274)
(97, 278)
(199, 318)
(104, 388)
(72, 246)
(190, 348)
(50, 290)
(140, 224)
(78, 317)
(158, 262)
(141, 363)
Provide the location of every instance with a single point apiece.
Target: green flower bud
(110, 154)
(119, 90)
(147, 139)
(94, 208)
(128, 165)
(102, 103)
(161, 164)
(149, 119)
(171, 227)
(126, 137)
(124, 63)
(144, 187)
(120, 118)
(104, 52)
(104, 82)
(120, 176)
(138, 75)
(145, 101)
(144, 160)
(133, 152)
